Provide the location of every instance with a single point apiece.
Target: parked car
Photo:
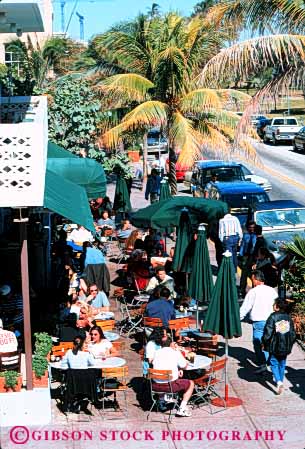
(281, 129)
(239, 195)
(261, 126)
(281, 220)
(251, 176)
(299, 140)
(201, 175)
(181, 170)
(226, 171)
(256, 119)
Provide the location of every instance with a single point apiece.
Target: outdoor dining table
(140, 299)
(200, 362)
(104, 316)
(109, 362)
(183, 314)
(111, 336)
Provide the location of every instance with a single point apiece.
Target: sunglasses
(95, 290)
(95, 334)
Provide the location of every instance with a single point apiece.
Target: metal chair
(10, 361)
(132, 319)
(114, 381)
(119, 346)
(80, 384)
(205, 386)
(207, 346)
(166, 377)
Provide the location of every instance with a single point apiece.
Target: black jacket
(279, 334)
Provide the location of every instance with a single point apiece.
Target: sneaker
(186, 413)
(280, 387)
(261, 369)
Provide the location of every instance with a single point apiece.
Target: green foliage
(74, 115)
(117, 163)
(295, 275)
(11, 378)
(43, 345)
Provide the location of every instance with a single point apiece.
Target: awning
(55, 150)
(85, 172)
(67, 199)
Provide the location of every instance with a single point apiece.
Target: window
(292, 122)
(279, 122)
(13, 61)
(281, 217)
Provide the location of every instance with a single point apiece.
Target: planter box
(134, 156)
(41, 382)
(17, 387)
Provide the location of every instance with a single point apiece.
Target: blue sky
(101, 14)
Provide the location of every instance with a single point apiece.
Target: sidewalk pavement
(264, 421)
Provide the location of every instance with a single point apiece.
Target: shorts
(177, 386)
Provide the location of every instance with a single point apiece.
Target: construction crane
(63, 3)
(81, 26)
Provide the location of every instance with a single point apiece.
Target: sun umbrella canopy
(223, 312)
(201, 280)
(182, 257)
(166, 213)
(121, 197)
(164, 190)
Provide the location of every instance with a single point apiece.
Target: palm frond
(126, 86)
(248, 57)
(201, 100)
(183, 136)
(297, 249)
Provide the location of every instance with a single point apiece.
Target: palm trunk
(145, 156)
(172, 171)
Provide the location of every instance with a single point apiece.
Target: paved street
(285, 170)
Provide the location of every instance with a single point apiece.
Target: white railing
(23, 150)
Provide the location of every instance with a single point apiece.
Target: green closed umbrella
(182, 260)
(201, 279)
(121, 201)
(164, 190)
(223, 314)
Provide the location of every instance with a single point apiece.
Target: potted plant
(43, 346)
(10, 381)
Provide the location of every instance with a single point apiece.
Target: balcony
(23, 151)
(20, 16)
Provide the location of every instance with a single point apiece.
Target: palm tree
(37, 62)
(161, 59)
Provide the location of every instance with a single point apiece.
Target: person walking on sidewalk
(246, 256)
(230, 233)
(152, 191)
(278, 339)
(258, 304)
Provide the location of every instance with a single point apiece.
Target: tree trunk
(172, 171)
(145, 157)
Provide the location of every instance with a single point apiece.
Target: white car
(250, 176)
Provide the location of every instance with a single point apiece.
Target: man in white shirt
(230, 233)
(79, 236)
(8, 340)
(258, 304)
(163, 280)
(171, 359)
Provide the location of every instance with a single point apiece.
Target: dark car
(261, 124)
(241, 196)
(299, 140)
(226, 172)
(281, 220)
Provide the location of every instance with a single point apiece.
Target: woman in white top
(100, 346)
(76, 358)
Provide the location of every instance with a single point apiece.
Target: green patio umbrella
(121, 201)
(223, 314)
(201, 279)
(166, 213)
(182, 260)
(164, 190)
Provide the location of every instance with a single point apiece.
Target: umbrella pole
(226, 401)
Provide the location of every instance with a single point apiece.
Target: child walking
(278, 338)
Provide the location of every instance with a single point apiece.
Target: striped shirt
(229, 226)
